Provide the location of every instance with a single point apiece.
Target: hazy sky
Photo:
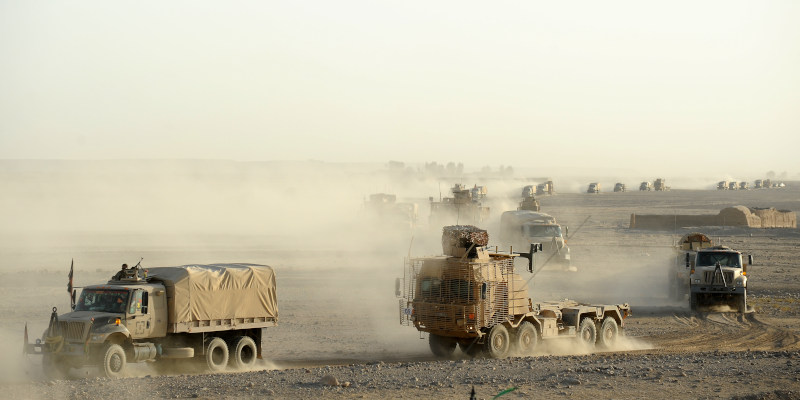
(656, 86)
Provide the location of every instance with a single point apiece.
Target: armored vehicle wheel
(216, 355)
(53, 367)
(609, 331)
(442, 346)
(526, 338)
(470, 347)
(587, 332)
(497, 342)
(243, 352)
(114, 361)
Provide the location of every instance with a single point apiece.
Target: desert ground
(339, 316)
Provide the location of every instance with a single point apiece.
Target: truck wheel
(609, 331)
(216, 355)
(741, 303)
(693, 301)
(114, 361)
(497, 342)
(442, 346)
(243, 353)
(53, 367)
(526, 338)
(587, 332)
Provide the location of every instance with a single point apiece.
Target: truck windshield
(724, 259)
(113, 301)
(543, 230)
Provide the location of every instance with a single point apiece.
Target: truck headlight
(97, 337)
(696, 281)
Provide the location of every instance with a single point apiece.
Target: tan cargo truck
(678, 276)
(522, 227)
(213, 314)
(472, 298)
(718, 276)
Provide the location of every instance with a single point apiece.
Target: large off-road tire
(53, 367)
(216, 355)
(114, 361)
(526, 338)
(587, 332)
(243, 352)
(498, 342)
(741, 303)
(442, 346)
(609, 332)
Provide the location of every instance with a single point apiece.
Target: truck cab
(718, 276)
(522, 227)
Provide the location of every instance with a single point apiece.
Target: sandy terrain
(339, 317)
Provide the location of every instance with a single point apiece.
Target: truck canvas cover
(218, 292)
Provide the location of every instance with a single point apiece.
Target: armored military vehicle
(385, 209)
(645, 186)
(529, 201)
(660, 185)
(619, 187)
(466, 206)
(594, 187)
(545, 188)
(472, 298)
(213, 314)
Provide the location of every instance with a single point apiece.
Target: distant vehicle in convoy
(466, 206)
(759, 184)
(678, 276)
(473, 299)
(660, 185)
(522, 227)
(733, 185)
(594, 187)
(645, 186)
(619, 187)
(718, 276)
(529, 201)
(545, 188)
(744, 186)
(385, 208)
(213, 314)
(722, 185)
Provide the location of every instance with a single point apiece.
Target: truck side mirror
(688, 262)
(749, 259)
(397, 287)
(72, 299)
(566, 230)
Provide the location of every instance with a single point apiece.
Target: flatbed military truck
(718, 276)
(472, 298)
(211, 314)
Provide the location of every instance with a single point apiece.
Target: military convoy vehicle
(545, 188)
(619, 187)
(472, 298)
(594, 187)
(678, 275)
(466, 206)
(645, 186)
(385, 208)
(718, 276)
(744, 185)
(660, 185)
(722, 185)
(212, 314)
(522, 227)
(529, 201)
(733, 185)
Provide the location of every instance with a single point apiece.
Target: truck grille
(72, 330)
(713, 278)
(444, 316)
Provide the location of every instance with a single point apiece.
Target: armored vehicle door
(139, 317)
